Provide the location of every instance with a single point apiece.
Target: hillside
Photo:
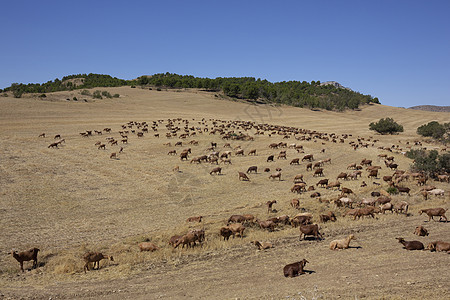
(330, 96)
(74, 198)
(431, 108)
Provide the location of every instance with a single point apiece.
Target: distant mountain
(432, 108)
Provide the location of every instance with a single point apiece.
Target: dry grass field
(74, 199)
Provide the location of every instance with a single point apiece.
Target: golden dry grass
(75, 199)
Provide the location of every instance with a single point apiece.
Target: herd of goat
(240, 131)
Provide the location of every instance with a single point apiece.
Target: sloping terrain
(74, 198)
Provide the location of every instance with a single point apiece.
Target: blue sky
(398, 51)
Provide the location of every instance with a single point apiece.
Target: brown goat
(328, 217)
(421, 231)
(294, 269)
(318, 172)
(187, 240)
(26, 256)
(295, 203)
(346, 191)
(439, 246)
(236, 219)
(147, 246)
(94, 257)
(300, 220)
(275, 175)
(434, 212)
(268, 224)
(174, 239)
(262, 245)
(401, 207)
(194, 219)
(310, 230)
(217, 170)
(322, 182)
(269, 205)
(308, 157)
(366, 211)
(243, 176)
(226, 233)
(252, 169)
(237, 228)
(411, 245)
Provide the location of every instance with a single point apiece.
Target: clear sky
(396, 50)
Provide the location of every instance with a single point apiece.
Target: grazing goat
(26, 256)
(194, 219)
(262, 245)
(235, 228)
(343, 243)
(268, 224)
(403, 189)
(346, 191)
(322, 182)
(94, 257)
(295, 203)
(401, 207)
(434, 212)
(226, 233)
(275, 175)
(421, 231)
(243, 176)
(269, 205)
(300, 220)
(366, 211)
(174, 239)
(217, 170)
(236, 219)
(187, 240)
(439, 246)
(147, 246)
(308, 157)
(310, 230)
(328, 217)
(411, 245)
(252, 169)
(295, 269)
(386, 207)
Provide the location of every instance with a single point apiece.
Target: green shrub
(97, 94)
(386, 126)
(133, 86)
(17, 94)
(392, 190)
(42, 95)
(85, 93)
(158, 89)
(429, 162)
(435, 130)
(74, 99)
(106, 94)
(116, 96)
